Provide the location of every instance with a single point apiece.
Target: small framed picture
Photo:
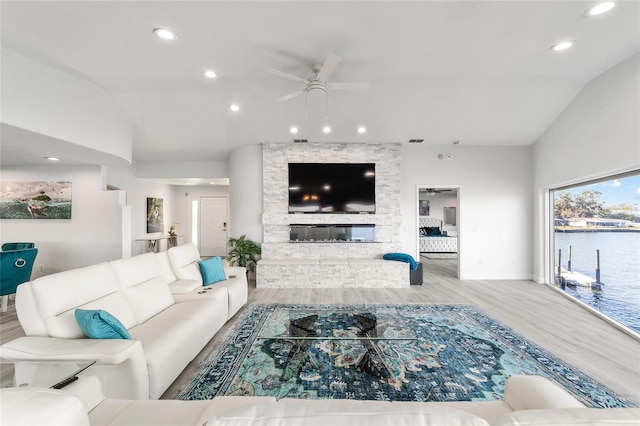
(423, 207)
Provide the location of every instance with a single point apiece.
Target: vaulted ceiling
(478, 72)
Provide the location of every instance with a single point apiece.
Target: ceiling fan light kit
(317, 84)
(433, 191)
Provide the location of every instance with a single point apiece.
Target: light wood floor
(535, 311)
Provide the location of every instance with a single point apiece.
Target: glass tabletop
(373, 335)
(54, 374)
(283, 324)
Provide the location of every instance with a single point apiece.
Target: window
(597, 245)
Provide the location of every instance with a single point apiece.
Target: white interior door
(213, 226)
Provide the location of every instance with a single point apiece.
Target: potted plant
(173, 236)
(243, 252)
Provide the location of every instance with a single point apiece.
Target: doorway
(437, 229)
(213, 226)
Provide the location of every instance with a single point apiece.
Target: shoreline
(563, 229)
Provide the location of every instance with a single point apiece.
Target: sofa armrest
(536, 392)
(104, 351)
(121, 365)
(237, 271)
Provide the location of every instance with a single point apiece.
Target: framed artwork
(35, 200)
(154, 215)
(449, 214)
(423, 207)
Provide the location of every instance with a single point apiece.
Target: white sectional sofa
(158, 297)
(528, 401)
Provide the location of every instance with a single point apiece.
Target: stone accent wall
(332, 273)
(276, 219)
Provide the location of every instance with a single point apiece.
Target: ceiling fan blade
(329, 66)
(348, 86)
(287, 76)
(291, 95)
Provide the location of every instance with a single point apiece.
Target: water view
(619, 271)
(601, 216)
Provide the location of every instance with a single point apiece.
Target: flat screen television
(332, 188)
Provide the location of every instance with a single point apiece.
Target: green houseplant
(243, 252)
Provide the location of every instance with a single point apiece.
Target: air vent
(416, 140)
(300, 141)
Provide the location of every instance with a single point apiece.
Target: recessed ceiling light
(234, 107)
(52, 158)
(326, 129)
(601, 8)
(563, 45)
(165, 34)
(210, 74)
(293, 130)
(362, 129)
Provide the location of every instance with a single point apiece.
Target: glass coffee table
(362, 340)
(48, 374)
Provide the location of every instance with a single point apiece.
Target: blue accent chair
(15, 269)
(17, 246)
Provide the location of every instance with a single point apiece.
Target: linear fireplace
(332, 233)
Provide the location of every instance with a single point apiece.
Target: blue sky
(615, 191)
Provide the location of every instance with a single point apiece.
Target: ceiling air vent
(300, 141)
(416, 140)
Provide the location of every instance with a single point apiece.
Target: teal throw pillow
(99, 324)
(212, 271)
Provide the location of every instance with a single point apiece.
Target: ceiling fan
(317, 84)
(433, 191)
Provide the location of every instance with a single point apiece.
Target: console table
(154, 243)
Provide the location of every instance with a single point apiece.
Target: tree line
(588, 204)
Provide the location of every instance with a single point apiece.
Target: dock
(574, 279)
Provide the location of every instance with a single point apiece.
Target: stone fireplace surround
(348, 264)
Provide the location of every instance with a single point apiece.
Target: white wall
(597, 135)
(495, 207)
(137, 192)
(245, 192)
(92, 235)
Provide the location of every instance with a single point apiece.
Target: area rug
(379, 352)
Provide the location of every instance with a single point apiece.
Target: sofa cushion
(175, 336)
(184, 261)
(99, 324)
(165, 266)
(184, 286)
(143, 285)
(573, 417)
(237, 288)
(169, 345)
(92, 287)
(211, 270)
(34, 406)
